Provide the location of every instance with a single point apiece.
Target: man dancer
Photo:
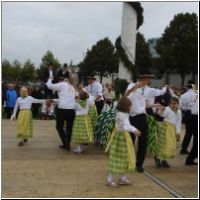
(139, 93)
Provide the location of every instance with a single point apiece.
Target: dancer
(168, 130)
(138, 93)
(82, 132)
(120, 146)
(24, 122)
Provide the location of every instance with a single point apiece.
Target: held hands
(137, 133)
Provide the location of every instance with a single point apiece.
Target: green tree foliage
(178, 46)
(142, 60)
(101, 60)
(10, 71)
(17, 69)
(46, 59)
(7, 70)
(28, 71)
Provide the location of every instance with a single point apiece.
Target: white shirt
(140, 96)
(25, 103)
(123, 124)
(109, 94)
(66, 94)
(187, 100)
(95, 89)
(174, 118)
(82, 110)
(195, 109)
(44, 108)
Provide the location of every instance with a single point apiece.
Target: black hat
(190, 83)
(65, 65)
(50, 63)
(91, 77)
(146, 73)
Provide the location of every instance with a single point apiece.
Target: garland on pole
(120, 50)
(122, 55)
(138, 8)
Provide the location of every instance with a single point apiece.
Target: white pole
(128, 39)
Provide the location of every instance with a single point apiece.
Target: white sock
(123, 177)
(79, 148)
(110, 178)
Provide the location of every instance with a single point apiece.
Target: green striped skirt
(120, 150)
(93, 115)
(105, 126)
(82, 131)
(168, 148)
(25, 124)
(161, 139)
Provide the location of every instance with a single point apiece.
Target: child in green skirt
(120, 146)
(170, 127)
(82, 132)
(24, 122)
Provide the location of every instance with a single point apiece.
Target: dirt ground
(42, 170)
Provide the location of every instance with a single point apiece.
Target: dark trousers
(35, 110)
(47, 92)
(9, 111)
(99, 106)
(140, 122)
(194, 151)
(63, 115)
(188, 131)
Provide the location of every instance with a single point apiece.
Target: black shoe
(140, 169)
(67, 148)
(157, 161)
(62, 146)
(25, 140)
(21, 143)
(190, 162)
(165, 164)
(184, 152)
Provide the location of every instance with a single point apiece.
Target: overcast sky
(68, 29)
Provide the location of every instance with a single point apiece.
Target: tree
(46, 59)
(17, 69)
(28, 71)
(6, 70)
(101, 60)
(178, 46)
(142, 60)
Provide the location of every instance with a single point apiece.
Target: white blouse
(82, 110)
(172, 117)
(25, 103)
(123, 124)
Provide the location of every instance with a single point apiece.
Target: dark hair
(124, 104)
(174, 99)
(83, 95)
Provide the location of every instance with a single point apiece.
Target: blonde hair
(22, 89)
